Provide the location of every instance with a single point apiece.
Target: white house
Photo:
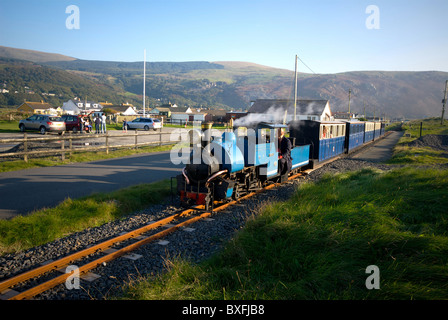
(77, 106)
(125, 110)
(177, 117)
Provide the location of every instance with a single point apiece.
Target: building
(76, 106)
(38, 108)
(216, 115)
(160, 111)
(282, 110)
(235, 115)
(182, 117)
(123, 109)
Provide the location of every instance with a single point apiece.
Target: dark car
(73, 123)
(43, 123)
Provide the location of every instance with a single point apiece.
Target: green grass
(74, 215)
(418, 156)
(430, 126)
(403, 154)
(318, 244)
(9, 126)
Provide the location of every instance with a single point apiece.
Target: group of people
(85, 124)
(100, 123)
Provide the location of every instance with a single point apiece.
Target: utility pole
(349, 94)
(295, 92)
(365, 110)
(444, 102)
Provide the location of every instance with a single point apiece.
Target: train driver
(284, 153)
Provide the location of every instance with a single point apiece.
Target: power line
(306, 65)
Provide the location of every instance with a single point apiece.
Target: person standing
(125, 125)
(103, 123)
(97, 124)
(284, 157)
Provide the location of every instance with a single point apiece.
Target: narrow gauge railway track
(101, 247)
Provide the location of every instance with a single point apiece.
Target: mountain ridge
(233, 84)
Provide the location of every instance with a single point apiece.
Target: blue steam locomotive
(227, 166)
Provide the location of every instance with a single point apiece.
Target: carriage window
(323, 132)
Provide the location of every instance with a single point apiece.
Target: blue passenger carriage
(377, 130)
(354, 135)
(369, 131)
(327, 138)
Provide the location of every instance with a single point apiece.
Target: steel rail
(60, 263)
(114, 255)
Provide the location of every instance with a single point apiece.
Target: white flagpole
(144, 81)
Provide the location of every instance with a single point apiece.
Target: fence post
(63, 148)
(160, 140)
(107, 142)
(136, 134)
(25, 147)
(70, 144)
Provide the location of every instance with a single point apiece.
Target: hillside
(35, 82)
(232, 85)
(31, 55)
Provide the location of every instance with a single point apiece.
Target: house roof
(37, 105)
(217, 112)
(304, 107)
(118, 108)
(162, 109)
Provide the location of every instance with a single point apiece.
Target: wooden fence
(103, 139)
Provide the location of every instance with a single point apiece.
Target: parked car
(145, 123)
(43, 123)
(73, 123)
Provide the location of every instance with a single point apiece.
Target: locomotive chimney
(206, 133)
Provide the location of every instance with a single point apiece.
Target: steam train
(227, 166)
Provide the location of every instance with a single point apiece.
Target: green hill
(35, 82)
(231, 85)
(31, 55)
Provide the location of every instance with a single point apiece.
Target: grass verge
(74, 215)
(418, 156)
(318, 244)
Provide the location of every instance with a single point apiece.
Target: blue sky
(328, 35)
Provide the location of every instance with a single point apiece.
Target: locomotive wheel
(236, 192)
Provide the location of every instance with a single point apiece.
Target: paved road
(382, 150)
(24, 191)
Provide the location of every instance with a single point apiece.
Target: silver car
(43, 123)
(144, 123)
